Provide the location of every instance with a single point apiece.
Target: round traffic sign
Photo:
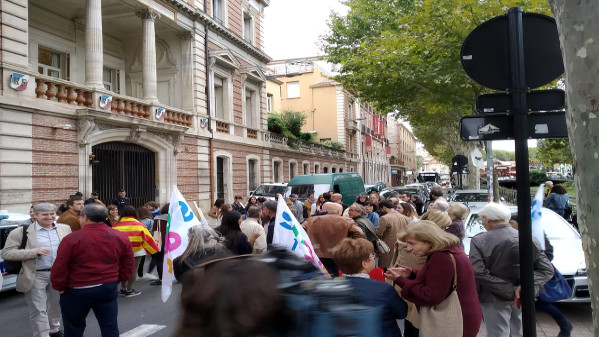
(485, 54)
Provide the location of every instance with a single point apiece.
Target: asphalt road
(143, 315)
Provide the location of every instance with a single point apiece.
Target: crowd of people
(395, 256)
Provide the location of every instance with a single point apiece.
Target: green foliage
(276, 124)
(308, 136)
(333, 144)
(554, 151)
(537, 178)
(403, 56)
(504, 155)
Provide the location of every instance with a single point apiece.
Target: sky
(292, 29)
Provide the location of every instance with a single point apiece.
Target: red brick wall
(239, 153)
(300, 157)
(234, 17)
(55, 159)
(187, 169)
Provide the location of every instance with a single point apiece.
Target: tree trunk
(578, 29)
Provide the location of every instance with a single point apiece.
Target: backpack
(14, 267)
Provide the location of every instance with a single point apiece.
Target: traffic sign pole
(520, 111)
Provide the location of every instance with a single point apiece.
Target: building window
(51, 63)
(306, 168)
(110, 79)
(341, 170)
(252, 175)
(217, 11)
(293, 89)
(325, 170)
(250, 109)
(276, 171)
(248, 25)
(269, 103)
(333, 170)
(316, 169)
(222, 97)
(292, 170)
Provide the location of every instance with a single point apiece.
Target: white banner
(180, 219)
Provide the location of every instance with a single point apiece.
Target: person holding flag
(288, 232)
(141, 241)
(181, 218)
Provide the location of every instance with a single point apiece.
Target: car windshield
(470, 197)
(270, 190)
(474, 226)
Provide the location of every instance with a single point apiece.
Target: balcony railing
(222, 127)
(253, 134)
(61, 91)
(302, 146)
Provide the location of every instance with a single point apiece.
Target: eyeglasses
(373, 256)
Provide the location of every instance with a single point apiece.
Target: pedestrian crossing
(143, 330)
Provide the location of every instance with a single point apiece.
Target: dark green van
(349, 184)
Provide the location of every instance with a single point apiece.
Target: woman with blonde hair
(440, 218)
(431, 284)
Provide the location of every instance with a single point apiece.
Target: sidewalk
(579, 315)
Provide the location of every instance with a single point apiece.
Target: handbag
(445, 318)
(556, 289)
(14, 267)
(158, 237)
(381, 246)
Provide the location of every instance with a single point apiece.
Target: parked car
(374, 187)
(349, 184)
(567, 249)
(472, 198)
(9, 222)
(269, 191)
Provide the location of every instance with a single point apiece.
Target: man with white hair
(549, 185)
(43, 238)
(326, 231)
(495, 257)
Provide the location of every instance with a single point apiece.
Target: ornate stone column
(149, 53)
(94, 49)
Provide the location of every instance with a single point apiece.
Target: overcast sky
(292, 29)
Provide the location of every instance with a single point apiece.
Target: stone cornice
(205, 19)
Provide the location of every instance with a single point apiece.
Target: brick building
(142, 95)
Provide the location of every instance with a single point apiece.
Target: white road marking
(143, 330)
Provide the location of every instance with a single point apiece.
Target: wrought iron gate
(124, 165)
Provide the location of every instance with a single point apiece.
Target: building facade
(403, 152)
(100, 95)
(333, 114)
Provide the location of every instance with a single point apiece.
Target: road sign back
(500, 127)
(540, 100)
(485, 52)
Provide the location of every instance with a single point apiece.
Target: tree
(578, 29)
(554, 151)
(403, 56)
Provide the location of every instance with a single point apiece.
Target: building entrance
(124, 165)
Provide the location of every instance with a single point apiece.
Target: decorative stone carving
(187, 35)
(147, 13)
(79, 24)
(136, 132)
(85, 128)
(176, 141)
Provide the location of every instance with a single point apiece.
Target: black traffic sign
(540, 100)
(486, 59)
(458, 163)
(500, 127)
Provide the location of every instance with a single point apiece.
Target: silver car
(567, 249)
(6, 225)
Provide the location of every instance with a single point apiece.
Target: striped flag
(535, 211)
(291, 235)
(180, 219)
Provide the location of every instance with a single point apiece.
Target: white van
(269, 191)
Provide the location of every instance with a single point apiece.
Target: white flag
(180, 219)
(290, 234)
(535, 211)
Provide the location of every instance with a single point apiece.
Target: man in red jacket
(87, 270)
